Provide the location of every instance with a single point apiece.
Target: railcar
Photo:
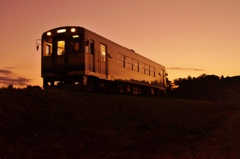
(73, 57)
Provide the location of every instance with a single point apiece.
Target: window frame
(103, 52)
(141, 67)
(61, 49)
(47, 47)
(135, 65)
(147, 69)
(152, 71)
(129, 62)
(121, 60)
(76, 38)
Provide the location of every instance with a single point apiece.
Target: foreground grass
(58, 124)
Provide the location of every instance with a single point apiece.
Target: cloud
(5, 72)
(185, 69)
(7, 77)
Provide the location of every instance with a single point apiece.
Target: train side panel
(118, 63)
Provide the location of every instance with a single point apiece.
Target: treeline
(206, 87)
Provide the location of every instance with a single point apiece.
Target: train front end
(63, 56)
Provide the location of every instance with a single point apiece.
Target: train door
(91, 56)
(59, 52)
(103, 60)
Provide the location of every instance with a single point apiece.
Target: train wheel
(90, 85)
(121, 88)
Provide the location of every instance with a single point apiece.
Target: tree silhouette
(207, 87)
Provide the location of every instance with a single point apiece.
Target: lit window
(61, 47)
(103, 52)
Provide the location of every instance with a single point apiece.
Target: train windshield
(60, 47)
(47, 47)
(75, 44)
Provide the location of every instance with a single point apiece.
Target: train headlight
(73, 30)
(49, 33)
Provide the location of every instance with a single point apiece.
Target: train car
(73, 57)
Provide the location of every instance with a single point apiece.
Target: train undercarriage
(94, 84)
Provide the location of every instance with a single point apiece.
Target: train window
(61, 47)
(147, 69)
(135, 65)
(129, 63)
(141, 67)
(161, 73)
(91, 47)
(47, 47)
(48, 50)
(103, 52)
(152, 71)
(120, 57)
(75, 45)
(121, 60)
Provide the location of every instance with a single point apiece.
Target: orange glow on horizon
(187, 37)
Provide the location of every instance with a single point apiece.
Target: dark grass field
(66, 125)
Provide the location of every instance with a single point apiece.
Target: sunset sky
(188, 37)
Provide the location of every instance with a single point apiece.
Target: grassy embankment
(58, 124)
